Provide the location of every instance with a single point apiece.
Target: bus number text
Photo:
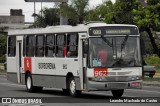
(100, 72)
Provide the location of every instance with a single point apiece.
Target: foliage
(3, 44)
(103, 12)
(123, 11)
(49, 17)
(76, 11)
(153, 60)
(3, 58)
(147, 46)
(118, 13)
(147, 16)
(148, 19)
(152, 2)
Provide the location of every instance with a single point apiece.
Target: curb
(152, 83)
(3, 73)
(157, 74)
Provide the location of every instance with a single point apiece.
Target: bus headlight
(133, 78)
(138, 77)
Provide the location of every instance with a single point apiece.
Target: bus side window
(60, 45)
(12, 46)
(39, 52)
(72, 45)
(50, 46)
(30, 45)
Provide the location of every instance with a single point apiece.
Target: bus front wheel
(72, 87)
(117, 93)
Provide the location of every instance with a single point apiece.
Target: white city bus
(89, 57)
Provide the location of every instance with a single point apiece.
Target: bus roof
(61, 29)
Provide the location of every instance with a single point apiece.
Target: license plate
(100, 72)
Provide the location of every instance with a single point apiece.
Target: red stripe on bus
(27, 64)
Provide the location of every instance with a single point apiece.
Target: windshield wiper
(124, 42)
(118, 63)
(107, 41)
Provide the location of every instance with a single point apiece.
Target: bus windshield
(114, 51)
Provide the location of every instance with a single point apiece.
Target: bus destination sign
(112, 30)
(118, 31)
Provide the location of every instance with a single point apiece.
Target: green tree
(49, 17)
(102, 12)
(121, 12)
(75, 11)
(148, 19)
(3, 43)
(118, 13)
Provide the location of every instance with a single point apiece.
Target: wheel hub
(73, 86)
(29, 82)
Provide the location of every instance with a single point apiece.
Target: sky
(28, 8)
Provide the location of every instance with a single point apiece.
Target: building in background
(14, 21)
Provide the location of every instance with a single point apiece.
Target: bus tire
(151, 75)
(117, 93)
(29, 83)
(72, 88)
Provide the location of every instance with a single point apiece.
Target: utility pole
(41, 9)
(34, 11)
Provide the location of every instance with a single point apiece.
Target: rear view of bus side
(90, 57)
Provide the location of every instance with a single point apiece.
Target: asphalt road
(9, 89)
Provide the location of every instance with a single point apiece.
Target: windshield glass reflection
(114, 52)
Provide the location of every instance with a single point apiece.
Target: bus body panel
(52, 71)
(11, 69)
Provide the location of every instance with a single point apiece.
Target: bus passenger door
(19, 49)
(83, 60)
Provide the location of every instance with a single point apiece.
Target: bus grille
(117, 85)
(117, 78)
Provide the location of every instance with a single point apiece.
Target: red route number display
(100, 72)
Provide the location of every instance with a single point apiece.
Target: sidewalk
(151, 83)
(3, 73)
(157, 74)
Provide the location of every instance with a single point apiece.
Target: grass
(157, 70)
(151, 79)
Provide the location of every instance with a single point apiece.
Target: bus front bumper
(93, 85)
